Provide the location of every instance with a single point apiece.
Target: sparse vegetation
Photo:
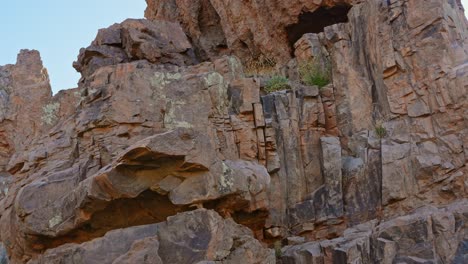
(380, 130)
(277, 246)
(315, 72)
(260, 65)
(276, 83)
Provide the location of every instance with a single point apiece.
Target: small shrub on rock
(277, 246)
(276, 83)
(380, 130)
(260, 65)
(315, 72)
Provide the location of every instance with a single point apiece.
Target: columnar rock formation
(171, 151)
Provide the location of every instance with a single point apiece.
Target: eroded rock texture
(143, 139)
(136, 39)
(168, 152)
(429, 235)
(27, 110)
(249, 28)
(191, 237)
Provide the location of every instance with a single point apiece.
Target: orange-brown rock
(249, 29)
(24, 91)
(190, 237)
(136, 39)
(429, 235)
(27, 110)
(368, 168)
(164, 140)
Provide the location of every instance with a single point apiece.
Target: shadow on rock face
(3, 255)
(147, 208)
(315, 22)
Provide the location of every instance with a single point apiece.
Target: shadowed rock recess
(170, 150)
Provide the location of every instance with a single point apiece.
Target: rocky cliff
(203, 134)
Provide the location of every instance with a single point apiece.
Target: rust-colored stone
(168, 149)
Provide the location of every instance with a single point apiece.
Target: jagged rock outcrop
(192, 237)
(24, 90)
(27, 107)
(138, 126)
(249, 29)
(429, 235)
(136, 39)
(369, 168)
(416, 92)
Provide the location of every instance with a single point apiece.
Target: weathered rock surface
(136, 39)
(157, 154)
(429, 235)
(3, 255)
(165, 120)
(250, 30)
(27, 110)
(24, 90)
(190, 237)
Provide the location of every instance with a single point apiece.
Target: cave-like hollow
(316, 21)
(147, 208)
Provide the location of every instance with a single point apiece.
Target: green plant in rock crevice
(380, 130)
(276, 83)
(277, 246)
(316, 71)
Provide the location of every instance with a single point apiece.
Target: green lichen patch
(213, 78)
(161, 79)
(226, 181)
(218, 90)
(49, 115)
(55, 221)
(172, 115)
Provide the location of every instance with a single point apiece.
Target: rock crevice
(169, 152)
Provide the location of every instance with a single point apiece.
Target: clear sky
(58, 29)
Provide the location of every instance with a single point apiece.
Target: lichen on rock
(50, 113)
(169, 152)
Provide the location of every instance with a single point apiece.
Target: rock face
(134, 145)
(429, 235)
(27, 109)
(171, 151)
(136, 39)
(249, 29)
(24, 89)
(191, 237)
(3, 255)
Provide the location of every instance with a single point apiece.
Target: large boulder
(136, 39)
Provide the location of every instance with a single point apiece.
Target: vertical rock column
(331, 160)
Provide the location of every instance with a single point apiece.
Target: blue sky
(58, 29)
